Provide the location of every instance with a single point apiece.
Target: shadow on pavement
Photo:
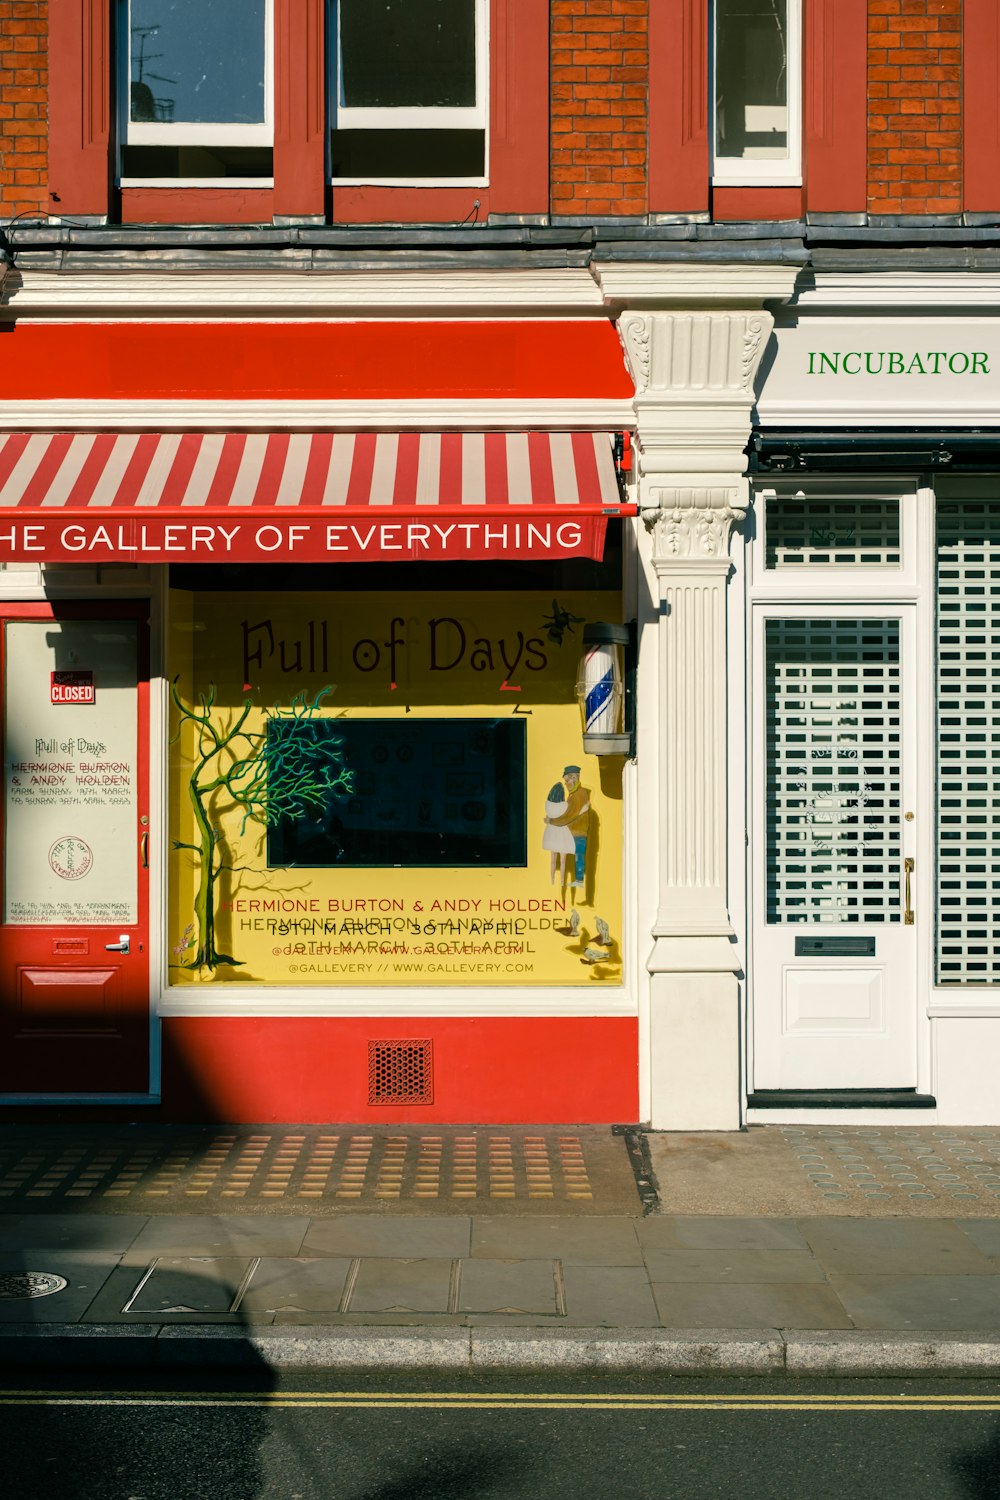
(979, 1471)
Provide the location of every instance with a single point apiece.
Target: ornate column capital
(691, 527)
(695, 356)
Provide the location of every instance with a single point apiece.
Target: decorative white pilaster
(694, 338)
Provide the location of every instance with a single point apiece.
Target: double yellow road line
(513, 1401)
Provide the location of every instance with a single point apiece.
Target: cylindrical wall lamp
(600, 690)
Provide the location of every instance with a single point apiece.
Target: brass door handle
(908, 865)
(144, 851)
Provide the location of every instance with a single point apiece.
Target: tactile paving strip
(956, 1167)
(152, 1169)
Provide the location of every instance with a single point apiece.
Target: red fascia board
(376, 360)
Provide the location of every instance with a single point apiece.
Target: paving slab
(530, 1287)
(218, 1234)
(984, 1234)
(81, 1231)
(363, 1234)
(590, 1242)
(609, 1296)
(300, 1286)
(938, 1303)
(727, 1266)
(710, 1306)
(411, 1286)
(880, 1246)
(707, 1233)
(85, 1273)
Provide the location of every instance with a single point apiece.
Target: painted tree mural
(291, 768)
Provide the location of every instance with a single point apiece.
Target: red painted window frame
(834, 126)
(81, 144)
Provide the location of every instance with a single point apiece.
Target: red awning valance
(308, 497)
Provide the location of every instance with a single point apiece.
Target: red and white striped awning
(337, 496)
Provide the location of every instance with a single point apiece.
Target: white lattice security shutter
(833, 770)
(809, 531)
(968, 742)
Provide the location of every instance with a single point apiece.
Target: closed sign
(72, 687)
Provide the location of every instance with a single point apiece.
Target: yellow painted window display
(389, 790)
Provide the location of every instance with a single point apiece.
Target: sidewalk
(790, 1266)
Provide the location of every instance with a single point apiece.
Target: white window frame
(191, 133)
(414, 117)
(740, 171)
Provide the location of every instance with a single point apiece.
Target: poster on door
(384, 790)
(70, 745)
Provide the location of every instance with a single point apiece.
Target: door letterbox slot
(834, 947)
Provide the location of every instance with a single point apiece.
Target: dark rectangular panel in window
(398, 54)
(197, 161)
(196, 61)
(407, 153)
(751, 78)
(424, 793)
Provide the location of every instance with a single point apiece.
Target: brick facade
(915, 106)
(23, 106)
(600, 69)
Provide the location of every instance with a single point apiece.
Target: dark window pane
(197, 161)
(407, 53)
(424, 793)
(407, 153)
(197, 61)
(751, 78)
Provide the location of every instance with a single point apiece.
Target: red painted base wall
(487, 1070)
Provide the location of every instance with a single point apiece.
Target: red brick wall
(600, 64)
(914, 106)
(23, 105)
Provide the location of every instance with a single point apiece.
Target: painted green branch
(271, 774)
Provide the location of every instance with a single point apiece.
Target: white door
(836, 912)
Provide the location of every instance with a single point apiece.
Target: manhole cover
(17, 1285)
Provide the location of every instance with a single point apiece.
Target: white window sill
(769, 179)
(415, 1001)
(196, 182)
(421, 182)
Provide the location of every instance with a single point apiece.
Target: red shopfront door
(74, 949)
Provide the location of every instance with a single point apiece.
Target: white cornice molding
(818, 413)
(308, 416)
(305, 293)
(682, 284)
(916, 292)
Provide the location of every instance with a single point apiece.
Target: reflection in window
(194, 61)
(751, 79)
(412, 106)
(195, 89)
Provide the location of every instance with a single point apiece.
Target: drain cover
(19, 1285)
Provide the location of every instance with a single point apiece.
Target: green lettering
(937, 356)
(831, 362)
(916, 366)
(962, 367)
(857, 367)
(979, 365)
(895, 363)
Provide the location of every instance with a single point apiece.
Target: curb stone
(736, 1352)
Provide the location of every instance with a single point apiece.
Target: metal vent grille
(401, 1072)
(833, 770)
(968, 734)
(834, 533)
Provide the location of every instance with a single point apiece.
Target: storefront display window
(389, 789)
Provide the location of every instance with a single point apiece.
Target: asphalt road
(322, 1436)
